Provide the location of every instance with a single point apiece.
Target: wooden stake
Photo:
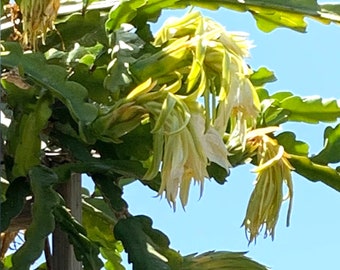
(63, 255)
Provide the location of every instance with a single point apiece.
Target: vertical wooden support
(63, 255)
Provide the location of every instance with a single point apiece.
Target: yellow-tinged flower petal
(142, 88)
(119, 121)
(173, 110)
(196, 67)
(197, 59)
(196, 162)
(186, 156)
(38, 18)
(167, 108)
(212, 142)
(185, 186)
(265, 201)
(172, 167)
(219, 54)
(158, 142)
(173, 88)
(260, 132)
(271, 161)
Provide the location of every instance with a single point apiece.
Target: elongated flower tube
(273, 171)
(182, 148)
(38, 18)
(211, 62)
(194, 88)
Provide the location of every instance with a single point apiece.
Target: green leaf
(262, 76)
(133, 232)
(126, 168)
(7, 262)
(4, 184)
(140, 138)
(124, 12)
(311, 109)
(291, 145)
(93, 81)
(77, 148)
(45, 201)
(315, 172)
(262, 93)
(331, 10)
(111, 257)
(16, 195)
(268, 19)
(18, 97)
(127, 47)
(27, 152)
(268, 14)
(277, 13)
(31, 111)
(118, 79)
(280, 96)
(218, 173)
(98, 220)
(54, 78)
(157, 237)
(84, 54)
(272, 114)
(84, 249)
(111, 192)
(331, 150)
(221, 260)
(86, 30)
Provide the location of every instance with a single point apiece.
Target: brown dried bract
(14, 77)
(13, 12)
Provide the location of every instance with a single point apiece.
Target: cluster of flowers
(196, 93)
(38, 17)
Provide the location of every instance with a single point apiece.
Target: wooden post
(63, 255)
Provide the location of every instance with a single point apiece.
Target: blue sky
(306, 64)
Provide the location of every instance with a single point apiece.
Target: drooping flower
(38, 18)
(273, 171)
(183, 154)
(241, 107)
(194, 88)
(217, 72)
